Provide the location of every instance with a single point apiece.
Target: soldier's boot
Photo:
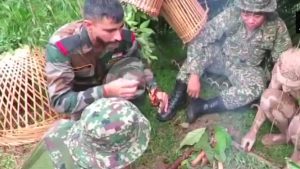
(178, 97)
(200, 106)
(274, 139)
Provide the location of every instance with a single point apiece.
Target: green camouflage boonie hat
(256, 5)
(130, 68)
(111, 134)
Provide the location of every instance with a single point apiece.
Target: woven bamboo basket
(151, 7)
(25, 113)
(186, 17)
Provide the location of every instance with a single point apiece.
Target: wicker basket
(186, 17)
(151, 7)
(25, 113)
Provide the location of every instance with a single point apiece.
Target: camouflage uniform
(75, 69)
(224, 48)
(111, 134)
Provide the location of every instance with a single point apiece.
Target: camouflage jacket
(75, 69)
(51, 152)
(227, 30)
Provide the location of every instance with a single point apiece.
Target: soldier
(279, 104)
(95, 58)
(233, 44)
(111, 134)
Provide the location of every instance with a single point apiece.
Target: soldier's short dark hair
(98, 9)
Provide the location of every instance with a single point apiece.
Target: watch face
(298, 21)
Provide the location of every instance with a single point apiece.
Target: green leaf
(144, 24)
(192, 137)
(153, 57)
(132, 23)
(141, 40)
(223, 141)
(204, 144)
(147, 30)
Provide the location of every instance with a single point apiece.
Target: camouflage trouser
(128, 68)
(247, 82)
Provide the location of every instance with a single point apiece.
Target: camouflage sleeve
(282, 41)
(60, 77)
(213, 31)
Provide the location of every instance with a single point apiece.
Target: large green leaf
(145, 24)
(223, 142)
(192, 137)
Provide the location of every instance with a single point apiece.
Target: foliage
(32, 21)
(192, 137)
(139, 22)
(6, 161)
(287, 11)
(214, 147)
(223, 141)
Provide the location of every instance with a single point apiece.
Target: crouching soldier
(279, 104)
(111, 134)
(233, 44)
(95, 58)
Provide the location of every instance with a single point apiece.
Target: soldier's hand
(248, 141)
(163, 101)
(121, 87)
(193, 88)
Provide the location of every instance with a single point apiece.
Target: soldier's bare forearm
(258, 121)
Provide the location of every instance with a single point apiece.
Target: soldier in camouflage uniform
(95, 58)
(233, 44)
(278, 104)
(111, 134)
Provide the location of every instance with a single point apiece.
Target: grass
(7, 161)
(33, 21)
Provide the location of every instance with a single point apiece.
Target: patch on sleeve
(53, 55)
(67, 45)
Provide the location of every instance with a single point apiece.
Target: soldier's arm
(282, 41)
(213, 31)
(60, 77)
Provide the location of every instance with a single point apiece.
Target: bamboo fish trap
(25, 113)
(150, 7)
(186, 17)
